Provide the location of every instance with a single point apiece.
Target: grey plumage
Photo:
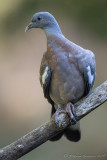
(67, 71)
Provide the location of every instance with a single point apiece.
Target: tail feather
(73, 133)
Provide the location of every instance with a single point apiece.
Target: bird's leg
(56, 116)
(71, 112)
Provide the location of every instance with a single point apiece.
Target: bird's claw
(71, 112)
(56, 117)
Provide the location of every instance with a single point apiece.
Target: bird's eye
(39, 18)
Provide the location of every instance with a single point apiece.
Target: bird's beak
(31, 25)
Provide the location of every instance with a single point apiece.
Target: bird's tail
(72, 133)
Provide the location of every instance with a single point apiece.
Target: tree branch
(48, 130)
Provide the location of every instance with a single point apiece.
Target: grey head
(45, 21)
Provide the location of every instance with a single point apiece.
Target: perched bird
(67, 72)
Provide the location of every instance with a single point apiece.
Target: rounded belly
(66, 88)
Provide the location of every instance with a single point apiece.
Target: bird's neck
(52, 30)
(53, 33)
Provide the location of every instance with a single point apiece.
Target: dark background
(22, 105)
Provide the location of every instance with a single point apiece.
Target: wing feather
(87, 67)
(45, 78)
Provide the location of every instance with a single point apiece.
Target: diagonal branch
(46, 131)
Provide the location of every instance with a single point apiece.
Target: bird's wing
(45, 78)
(87, 68)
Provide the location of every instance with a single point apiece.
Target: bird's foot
(56, 116)
(71, 112)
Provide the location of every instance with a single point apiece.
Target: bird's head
(43, 20)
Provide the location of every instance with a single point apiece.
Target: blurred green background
(22, 105)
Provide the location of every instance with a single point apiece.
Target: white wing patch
(45, 75)
(90, 76)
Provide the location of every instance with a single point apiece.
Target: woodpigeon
(67, 72)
